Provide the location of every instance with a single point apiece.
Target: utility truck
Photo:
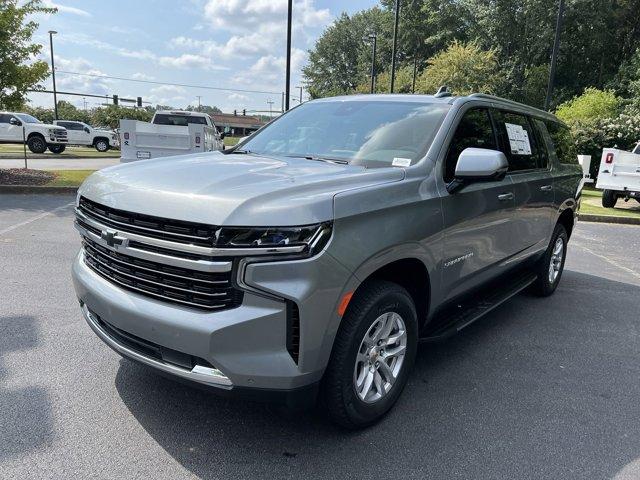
(22, 127)
(80, 133)
(169, 133)
(619, 175)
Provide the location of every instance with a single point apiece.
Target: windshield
(370, 133)
(27, 118)
(178, 120)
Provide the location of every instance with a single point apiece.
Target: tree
(18, 70)
(589, 107)
(341, 58)
(464, 68)
(209, 109)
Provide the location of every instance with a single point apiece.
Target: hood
(47, 125)
(234, 189)
(103, 131)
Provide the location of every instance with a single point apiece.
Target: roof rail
(486, 96)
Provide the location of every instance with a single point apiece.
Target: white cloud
(237, 97)
(189, 60)
(167, 89)
(65, 9)
(81, 84)
(142, 76)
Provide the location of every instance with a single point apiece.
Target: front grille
(179, 231)
(60, 135)
(293, 330)
(205, 290)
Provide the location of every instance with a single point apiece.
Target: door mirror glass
(15, 121)
(86, 129)
(477, 165)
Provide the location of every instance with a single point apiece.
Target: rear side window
(517, 140)
(474, 131)
(178, 120)
(4, 118)
(563, 143)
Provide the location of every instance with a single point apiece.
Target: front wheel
(550, 267)
(373, 353)
(57, 148)
(102, 145)
(36, 144)
(609, 199)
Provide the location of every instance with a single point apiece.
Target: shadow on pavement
(540, 388)
(26, 422)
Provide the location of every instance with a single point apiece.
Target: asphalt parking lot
(540, 388)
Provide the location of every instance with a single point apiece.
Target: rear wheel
(57, 148)
(609, 199)
(550, 267)
(36, 144)
(372, 356)
(101, 145)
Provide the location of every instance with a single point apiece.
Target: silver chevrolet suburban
(308, 262)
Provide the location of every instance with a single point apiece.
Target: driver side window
(474, 130)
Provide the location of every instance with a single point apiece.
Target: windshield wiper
(319, 158)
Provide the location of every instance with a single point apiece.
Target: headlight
(302, 241)
(51, 131)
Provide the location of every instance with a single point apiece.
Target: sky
(237, 44)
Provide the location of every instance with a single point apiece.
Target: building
(237, 125)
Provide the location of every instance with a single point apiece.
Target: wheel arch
(567, 220)
(97, 139)
(36, 134)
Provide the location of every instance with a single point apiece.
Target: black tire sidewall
(393, 299)
(57, 149)
(547, 287)
(36, 140)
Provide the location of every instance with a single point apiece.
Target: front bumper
(245, 348)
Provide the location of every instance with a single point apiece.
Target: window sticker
(401, 162)
(518, 139)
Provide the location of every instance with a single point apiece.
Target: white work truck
(619, 175)
(169, 133)
(22, 127)
(80, 133)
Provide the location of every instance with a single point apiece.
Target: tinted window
(517, 140)
(27, 118)
(474, 130)
(373, 133)
(544, 148)
(563, 143)
(4, 118)
(178, 120)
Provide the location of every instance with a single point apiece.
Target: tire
(547, 282)
(36, 144)
(101, 145)
(57, 149)
(609, 199)
(375, 304)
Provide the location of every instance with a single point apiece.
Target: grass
(231, 141)
(71, 152)
(592, 205)
(69, 178)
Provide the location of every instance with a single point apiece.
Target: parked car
(619, 176)
(37, 135)
(170, 133)
(312, 258)
(80, 133)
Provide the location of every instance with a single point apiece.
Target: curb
(608, 219)
(22, 189)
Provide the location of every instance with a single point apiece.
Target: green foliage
(402, 84)
(589, 107)
(110, 116)
(209, 109)
(18, 70)
(464, 68)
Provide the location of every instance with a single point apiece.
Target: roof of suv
(446, 99)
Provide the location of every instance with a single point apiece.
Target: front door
(478, 233)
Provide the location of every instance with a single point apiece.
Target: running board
(462, 314)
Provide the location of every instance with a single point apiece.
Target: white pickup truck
(169, 133)
(37, 135)
(619, 175)
(80, 133)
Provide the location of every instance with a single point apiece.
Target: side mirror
(86, 129)
(478, 165)
(222, 135)
(15, 121)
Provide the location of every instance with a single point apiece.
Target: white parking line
(609, 261)
(37, 217)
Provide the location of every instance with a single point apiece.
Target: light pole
(270, 102)
(300, 87)
(395, 43)
(554, 56)
(415, 71)
(374, 44)
(288, 69)
(198, 97)
(53, 74)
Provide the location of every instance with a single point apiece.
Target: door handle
(546, 188)
(505, 196)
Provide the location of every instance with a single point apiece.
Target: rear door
(530, 174)
(74, 132)
(478, 229)
(4, 126)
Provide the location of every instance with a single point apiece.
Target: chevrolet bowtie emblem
(112, 238)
